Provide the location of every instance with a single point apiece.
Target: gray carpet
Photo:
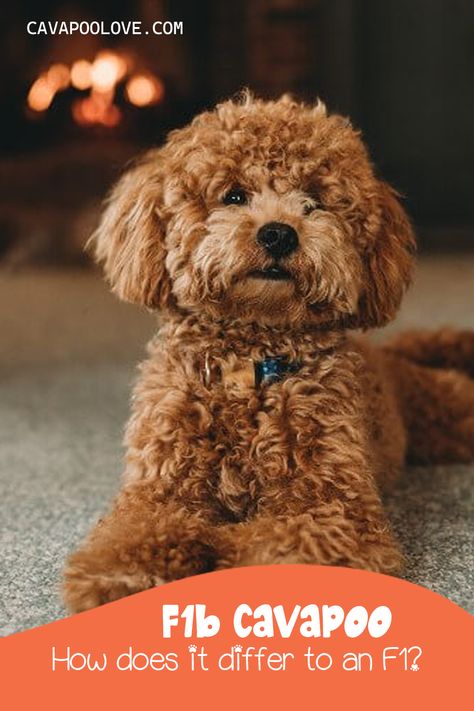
(67, 364)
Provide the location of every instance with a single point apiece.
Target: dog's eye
(236, 196)
(308, 208)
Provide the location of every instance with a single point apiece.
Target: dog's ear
(388, 262)
(129, 241)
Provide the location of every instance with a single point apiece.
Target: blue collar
(274, 368)
(248, 372)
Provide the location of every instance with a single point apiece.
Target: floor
(66, 366)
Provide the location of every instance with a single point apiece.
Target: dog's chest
(261, 436)
(217, 428)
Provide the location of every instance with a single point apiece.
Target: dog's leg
(161, 525)
(314, 538)
(345, 530)
(141, 543)
(447, 348)
(437, 407)
(434, 377)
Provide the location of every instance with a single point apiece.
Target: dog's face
(262, 211)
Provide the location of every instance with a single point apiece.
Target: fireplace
(76, 107)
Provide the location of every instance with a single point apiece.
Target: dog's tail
(434, 379)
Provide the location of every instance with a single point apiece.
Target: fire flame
(43, 90)
(107, 70)
(96, 109)
(40, 96)
(144, 90)
(81, 74)
(101, 78)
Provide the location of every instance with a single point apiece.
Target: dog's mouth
(272, 273)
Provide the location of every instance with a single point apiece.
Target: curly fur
(223, 473)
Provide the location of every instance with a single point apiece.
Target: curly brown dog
(261, 431)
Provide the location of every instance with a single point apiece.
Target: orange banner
(282, 636)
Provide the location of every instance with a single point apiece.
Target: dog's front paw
(305, 540)
(87, 585)
(111, 565)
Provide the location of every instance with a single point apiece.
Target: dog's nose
(278, 239)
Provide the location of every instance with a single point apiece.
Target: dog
(262, 431)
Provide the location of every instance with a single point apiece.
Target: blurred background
(76, 108)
